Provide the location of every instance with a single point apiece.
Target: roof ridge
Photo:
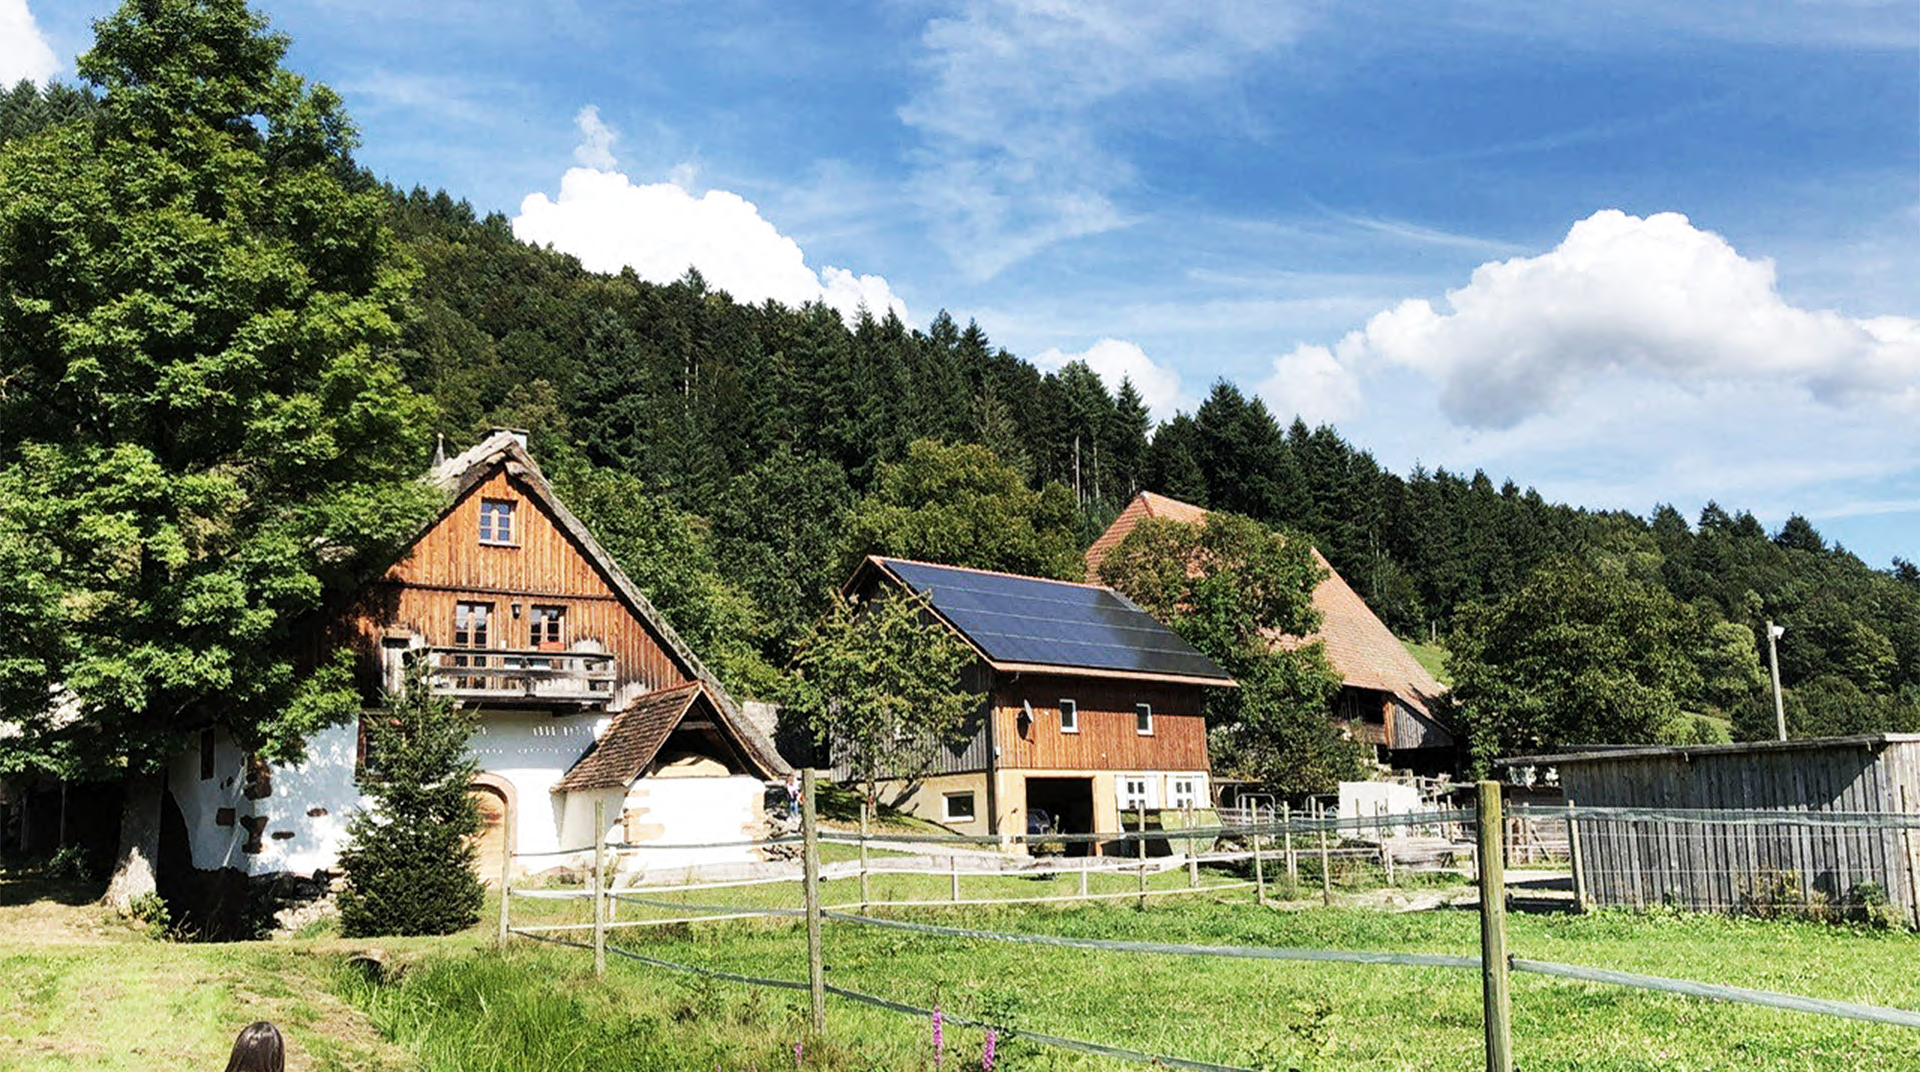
(882, 559)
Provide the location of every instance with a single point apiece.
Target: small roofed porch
(680, 786)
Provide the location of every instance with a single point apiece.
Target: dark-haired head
(258, 1049)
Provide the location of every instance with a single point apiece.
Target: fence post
(864, 897)
(1083, 875)
(1193, 859)
(1326, 858)
(810, 855)
(1386, 850)
(1293, 862)
(1493, 930)
(506, 875)
(1259, 865)
(599, 887)
(953, 866)
(1143, 855)
(1574, 861)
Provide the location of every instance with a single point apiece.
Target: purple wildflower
(798, 1049)
(939, 1036)
(986, 1055)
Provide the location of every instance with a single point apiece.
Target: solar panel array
(1053, 623)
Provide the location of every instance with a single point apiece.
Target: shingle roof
(1020, 623)
(458, 475)
(1361, 648)
(634, 738)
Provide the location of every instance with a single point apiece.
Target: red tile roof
(1361, 648)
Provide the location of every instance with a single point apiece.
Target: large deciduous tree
(1243, 594)
(1584, 653)
(881, 684)
(201, 429)
(961, 506)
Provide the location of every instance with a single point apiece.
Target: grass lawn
(86, 992)
(1431, 656)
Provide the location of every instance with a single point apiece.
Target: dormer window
(496, 521)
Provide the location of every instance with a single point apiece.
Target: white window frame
(1179, 799)
(1140, 711)
(493, 514)
(1145, 800)
(947, 814)
(1069, 716)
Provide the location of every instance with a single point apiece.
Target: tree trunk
(134, 872)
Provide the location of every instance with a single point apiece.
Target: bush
(409, 863)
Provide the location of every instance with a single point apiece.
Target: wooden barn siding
(1642, 863)
(1107, 739)
(449, 565)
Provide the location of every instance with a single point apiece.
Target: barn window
(546, 623)
(1069, 716)
(1184, 794)
(496, 521)
(958, 807)
(1136, 792)
(1143, 719)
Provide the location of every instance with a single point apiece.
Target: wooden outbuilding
(1092, 707)
(1824, 824)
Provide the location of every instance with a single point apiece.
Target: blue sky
(1627, 252)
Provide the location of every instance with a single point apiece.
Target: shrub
(409, 862)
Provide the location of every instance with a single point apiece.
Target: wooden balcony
(520, 676)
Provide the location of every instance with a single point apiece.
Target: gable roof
(1030, 624)
(635, 736)
(1361, 648)
(460, 474)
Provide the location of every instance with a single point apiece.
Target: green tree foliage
(409, 860)
(881, 682)
(202, 433)
(1582, 654)
(961, 506)
(1233, 588)
(27, 109)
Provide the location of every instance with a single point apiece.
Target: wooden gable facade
(1061, 747)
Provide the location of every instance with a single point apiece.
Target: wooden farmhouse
(1093, 707)
(586, 694)
(1386, 699)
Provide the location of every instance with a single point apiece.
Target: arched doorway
(493, 797)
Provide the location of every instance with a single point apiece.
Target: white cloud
(1654, 299)
(596, 141)
(1114, 360)
(1311, 384)
(661, 229)
(1011, 160)
(24, 52)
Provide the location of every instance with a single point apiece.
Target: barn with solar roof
(1093, 707)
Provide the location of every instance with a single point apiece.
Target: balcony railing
(550, 677)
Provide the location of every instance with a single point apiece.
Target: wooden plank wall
(1107, 739)
(1721, 866)
(449, 565)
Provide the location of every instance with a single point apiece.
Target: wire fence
(912, 872)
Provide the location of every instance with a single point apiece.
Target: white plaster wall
(692, 811)
(534, 750)
(322, 783)
(1370, 799)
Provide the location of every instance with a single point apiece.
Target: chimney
(519, 435)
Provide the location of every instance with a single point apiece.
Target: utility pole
(1774, 633)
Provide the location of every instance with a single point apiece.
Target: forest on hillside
(739, 458)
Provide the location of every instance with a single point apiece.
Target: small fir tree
(409, 863)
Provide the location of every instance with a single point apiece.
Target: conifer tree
(409, 863)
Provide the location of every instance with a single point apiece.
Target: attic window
(496, 521)
(1143, 719)
(1069, 716)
